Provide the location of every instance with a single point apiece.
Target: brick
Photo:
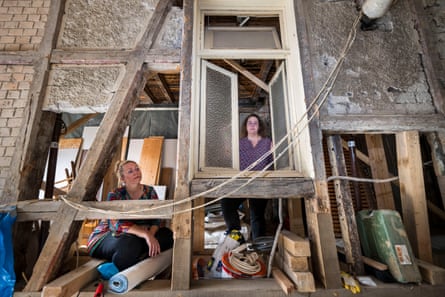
(9, 141)
(15, 68)
(24, 85)
(15, 10)
(27, 46)
(19, 112)
(9, 3)
(2, 151)
(7, 113)
(9, 86)
(18, 76)
(16, 132)
(24, 3)
(13, 95)
(12, 47)
(9, 152)
(5, 17)
(34, 17)
(6, 103)
(26, 25)
(5, 161)
(14, 122)
(20, 103)
(39, 25)
(3, 122)
(29, 32)
(36, 39)
(7, 39)
(30, 10)
(11, 25)
(37, 3)
(15, 32)
(5, 132)
(5, 77)
(20, 18)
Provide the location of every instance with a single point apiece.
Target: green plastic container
(384, 239)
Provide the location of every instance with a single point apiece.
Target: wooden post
(436, 141)
(379, 169)
(412, 194)
(182, 222)
(345, 206)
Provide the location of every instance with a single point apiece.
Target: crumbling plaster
(382, 73)
(102, 25)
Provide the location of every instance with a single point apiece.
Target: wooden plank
(412, 194)
(150, 160)
(431, 274)
(80, 122)
(73, 281)
(286, 285)
(257, 188)
(379, 170)
(345, 206)
(198, 226)
(47, 209)
(70, 143)
(294, 244)
(166, 179)
(98, 159)
(303, 280)
(182, 220)
(437, 144)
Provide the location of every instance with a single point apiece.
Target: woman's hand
(149, 235)
(153, 244)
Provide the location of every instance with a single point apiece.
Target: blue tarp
(7, 274)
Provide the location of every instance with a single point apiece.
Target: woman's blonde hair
(119, 169)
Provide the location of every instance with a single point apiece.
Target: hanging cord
(295, 132)
(247, 263)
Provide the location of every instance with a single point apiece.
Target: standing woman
(126, 242)
(253, 145)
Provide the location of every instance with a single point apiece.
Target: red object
(99, 290)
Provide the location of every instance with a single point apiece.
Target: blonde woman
(126, 242)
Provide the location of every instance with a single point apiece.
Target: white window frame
(289, 52)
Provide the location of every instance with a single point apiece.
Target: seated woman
(126, 242)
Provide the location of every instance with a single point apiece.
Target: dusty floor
(261, 288)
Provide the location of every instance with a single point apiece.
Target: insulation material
(129, 278)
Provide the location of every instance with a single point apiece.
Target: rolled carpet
(129, 278)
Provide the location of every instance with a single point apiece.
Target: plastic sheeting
(8, 216)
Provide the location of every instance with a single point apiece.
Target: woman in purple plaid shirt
(253, 145)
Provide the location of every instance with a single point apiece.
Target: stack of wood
(292, 258)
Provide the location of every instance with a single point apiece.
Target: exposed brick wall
(22, 24)
(15, 81)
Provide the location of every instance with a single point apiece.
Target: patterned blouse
(115, 226)
(248, 154)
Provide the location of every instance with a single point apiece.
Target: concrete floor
(261, 288)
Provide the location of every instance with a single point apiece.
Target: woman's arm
(149, 235)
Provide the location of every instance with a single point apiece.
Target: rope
(295, 132)
(247, 263)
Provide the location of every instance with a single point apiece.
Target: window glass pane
(278, 105)
(218, 135)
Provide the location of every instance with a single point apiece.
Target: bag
(8, 216)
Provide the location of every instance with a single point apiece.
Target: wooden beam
(258, 188)
(73, 281)
(437, 145)
(264, 72)
(412, 194)
(182, 222)
(285, 284)
(382, 124)
(163, 86)
(46, 209)
(431, 274)
(248, 75)
(76, 124)
(379, 170)
(345, 206)
(98, 159)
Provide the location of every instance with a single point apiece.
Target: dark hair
(261, 126)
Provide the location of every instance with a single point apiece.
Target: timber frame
(314, 190)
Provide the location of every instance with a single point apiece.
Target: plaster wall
(382, 73)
